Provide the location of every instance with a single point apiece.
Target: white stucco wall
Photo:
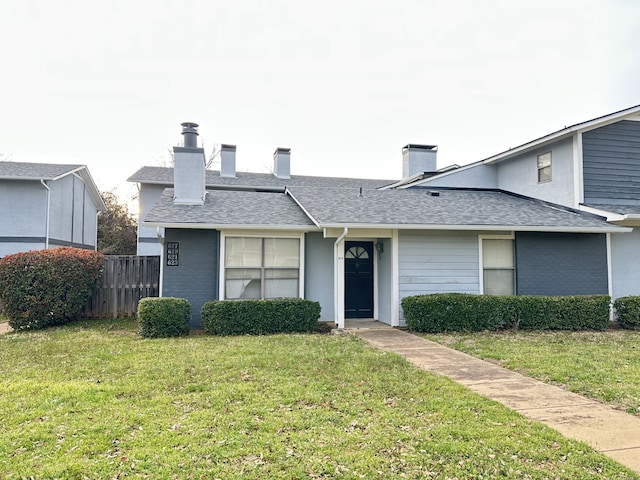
(476, 176)
(520, 174)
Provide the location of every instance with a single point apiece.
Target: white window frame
(510, 236)
(550, 166)
(267, 234)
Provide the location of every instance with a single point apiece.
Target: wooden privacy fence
(125, 280)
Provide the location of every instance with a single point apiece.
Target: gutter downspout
(98, 212)
(336, 279)
(46, 236)
(161, 239)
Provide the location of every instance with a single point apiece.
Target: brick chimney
(189, 168)
(418, 159)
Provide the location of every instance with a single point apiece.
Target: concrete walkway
(612, 432)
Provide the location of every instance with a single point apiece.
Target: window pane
(278, 273)
(285, 288)
(243, 283)
(242, 273)
(544, 167)
(498, 282)
(281, 252)
(544, 160)
(497, 253)
(544, 174)
(243, 252)
(281, 283)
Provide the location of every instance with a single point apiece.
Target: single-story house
(359, 246)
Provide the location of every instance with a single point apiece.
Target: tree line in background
(117, 228)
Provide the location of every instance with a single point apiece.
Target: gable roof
(253, 181)
(51, 172)
(35, 171)
(230, 209)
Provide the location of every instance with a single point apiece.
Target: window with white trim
(544, 167)
(498, 266)
(261, 267)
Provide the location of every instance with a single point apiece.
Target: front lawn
(95, 400)
(601, 365)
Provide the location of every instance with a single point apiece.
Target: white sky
(344, 84)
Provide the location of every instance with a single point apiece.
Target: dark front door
(358, 273)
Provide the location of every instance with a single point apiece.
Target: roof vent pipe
(190, 132)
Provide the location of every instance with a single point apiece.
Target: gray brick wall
(561, 264)
(196, 276)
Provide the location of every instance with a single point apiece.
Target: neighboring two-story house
(359, 246)
(47, 205)
(593, 166)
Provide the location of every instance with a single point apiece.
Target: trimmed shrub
(450, 312)
(583, 312)
(49, 287)
(164, 317)
(628, 312)
(260, 317)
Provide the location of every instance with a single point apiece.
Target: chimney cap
(416, 146)
(190, 132)
(191, 127)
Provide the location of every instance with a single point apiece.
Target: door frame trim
(374, 280)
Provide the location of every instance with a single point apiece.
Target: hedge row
(450, 312)
(49, 287)
(170, 317)
(628, 312)
(258, 317)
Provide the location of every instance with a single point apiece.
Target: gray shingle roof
(34, 171)
(164, 176)
(344, 207)
(619, 209)
(229, 208)
(335, 207)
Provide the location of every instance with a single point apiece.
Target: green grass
(94, 400)
(601, 365)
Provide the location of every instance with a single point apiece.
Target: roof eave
(475, 227)
(565, 132)
(226, 226)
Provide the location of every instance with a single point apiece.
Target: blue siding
(318, 268)
(196, 277)
(611, 156)
(561, 264)
(437, 262)
(625, 263)
(385, 286)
